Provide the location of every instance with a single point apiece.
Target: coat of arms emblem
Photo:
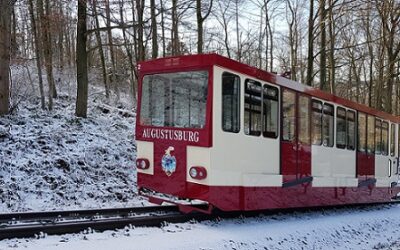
(168, 162)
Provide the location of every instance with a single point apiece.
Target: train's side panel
(239, 159)
(333, 166)
(245, 170)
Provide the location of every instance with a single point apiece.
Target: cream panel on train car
(332, 165)
(343, 158)
(145, 150)
(238, 159)
(200, 157)
(383, 163)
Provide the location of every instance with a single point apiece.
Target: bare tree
(389, 13)
(37, 53)
(5, 31)
(140, 30)
(154, 35)
(101, 51)
(133, 73)
(200, 22)
(81, 61)
(310, 50)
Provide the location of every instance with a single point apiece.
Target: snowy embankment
(54, 160)
(376, 227)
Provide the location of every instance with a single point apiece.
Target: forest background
(350, 48)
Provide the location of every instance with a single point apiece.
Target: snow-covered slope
(53, 160)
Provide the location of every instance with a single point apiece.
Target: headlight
(142, 163)
(198, 173)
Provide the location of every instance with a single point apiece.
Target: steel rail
(48, 215)
(64, 227)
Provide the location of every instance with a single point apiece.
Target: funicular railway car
(215, 130)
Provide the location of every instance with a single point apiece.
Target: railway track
(19, 225)
(30, 224)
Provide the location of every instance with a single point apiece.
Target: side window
(304, 120)
(327, 125)
(230, 102)
(252, 108)
(370, 134)
(392, 139)
(378, 136)
(288, 115)
(351, 129)
(316, 129)
(385, 138)
(270, 111)
(341, 128)
(362, 132)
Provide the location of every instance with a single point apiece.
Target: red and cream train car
(238, 138)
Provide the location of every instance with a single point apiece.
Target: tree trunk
(46, 50)
(81, 62)
(199, 28)
(101, 51)
(37, 53)
(49, 52)
(332, 63)
(154, 37)
(61, 39)
(14, 44)
(174, 30)
(5, 30)
(133, 73)
(200, 21)
(163, 27)
(238, 43)
(111, 45)
(322, 72)
(140, 29)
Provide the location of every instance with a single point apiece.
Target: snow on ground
(376, 227)
(54, 160)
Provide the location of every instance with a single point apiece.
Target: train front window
(174, 99)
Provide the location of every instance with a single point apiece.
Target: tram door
(295, 137)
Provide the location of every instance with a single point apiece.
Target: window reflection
(174, 99)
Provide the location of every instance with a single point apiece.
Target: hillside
(53, 160)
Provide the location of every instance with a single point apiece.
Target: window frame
(293, 139)
(314, 110)
(331, 115)
(370, 118)
(353, 147)
(392, 143)
(378, 132)
(263, 114)
(238, 104)
(398, 140)
(300, 119)
(364, 150)
(168, 116)
(385, 146)
(344, 117)
(251, 132)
